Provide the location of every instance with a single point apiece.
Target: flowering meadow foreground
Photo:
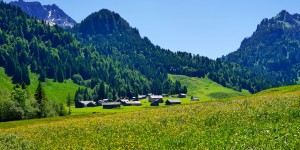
(257, 122)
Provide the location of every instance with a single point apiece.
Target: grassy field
(206, 89)
(280, 90)
(5, 81)
(263, 121)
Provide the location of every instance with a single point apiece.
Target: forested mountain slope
(273, 50)
(54, 53)
(104, 53)
(113, 37)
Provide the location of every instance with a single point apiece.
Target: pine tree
(40, 97)
(42, 77)
(114, 96)
(101, 90)
(69, 101)
(184, 90)
(128, 91)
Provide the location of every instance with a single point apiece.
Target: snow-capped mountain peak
(51, 14)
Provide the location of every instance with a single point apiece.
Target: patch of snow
(50, 14)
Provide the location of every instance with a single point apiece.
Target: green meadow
(266, 120)
(260, 121)
(206, 89)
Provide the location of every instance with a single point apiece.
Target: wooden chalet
(155, 103)
(132, 103)
(195, 99)
(173, 102)
(111, 105)
(153, 98)
(122, 101)
(88, 103)
(142, 96)
(181, 95)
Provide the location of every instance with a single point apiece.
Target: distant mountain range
(52, 14)
(107, 50)
(274, 48)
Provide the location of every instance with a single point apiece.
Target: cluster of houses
(109, 104)
(154, 100)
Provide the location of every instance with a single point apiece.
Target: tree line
(19, 104)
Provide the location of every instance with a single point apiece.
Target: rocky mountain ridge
(52, 14)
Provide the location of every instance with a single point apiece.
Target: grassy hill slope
(206, 89)
(5, 81)
(268, 121)
(280, 90)
(54, 90)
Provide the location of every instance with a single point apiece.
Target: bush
(9, 110)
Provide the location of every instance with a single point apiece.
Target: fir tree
(69, 102)
(40, 97)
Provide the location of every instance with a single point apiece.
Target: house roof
(111, 104)
(174, 101)
(133, 102)
(156, 96)
(123, 100)
(142, 96)
(87, 102)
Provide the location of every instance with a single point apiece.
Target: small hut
(88, 103)
(153, 98)
(111, 105)
(155, 103)
(142, 96)
(132, 103)
(195, 99)
(173, 102)
(181, 95)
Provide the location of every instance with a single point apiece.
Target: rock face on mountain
(274, 48)
(52, 14)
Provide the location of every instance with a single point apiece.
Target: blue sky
(210, 28)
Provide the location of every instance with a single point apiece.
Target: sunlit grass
(206, 89)
(256, 122)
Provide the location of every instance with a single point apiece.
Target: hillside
(113, 36)
(203, 88)
(206, 89)
(273, 50)
(55, 54)
(54, 90)
(269, 121)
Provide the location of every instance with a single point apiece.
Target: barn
(155, 103)
(122, 101)
(173, 102)
(111, 105)
(88, 103)
(132, 103)
(153, 98)
(195, 99)
(142, 96)
(181, 95)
